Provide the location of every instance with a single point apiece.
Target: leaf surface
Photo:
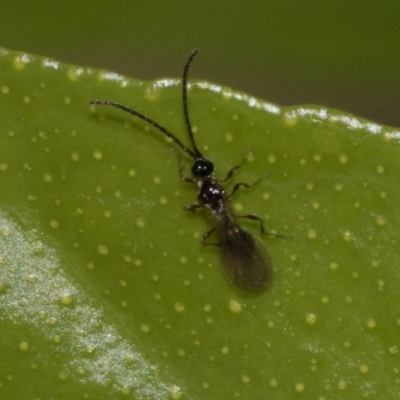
(105, 291)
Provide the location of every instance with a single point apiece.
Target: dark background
(339, 54)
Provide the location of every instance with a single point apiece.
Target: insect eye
(202, 168)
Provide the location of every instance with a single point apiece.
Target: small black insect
(239, 254)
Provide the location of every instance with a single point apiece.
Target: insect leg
(180, 169)
(259, 219)
(193, 207)
(232, 170)
(236, 167)
(246, 185)
(190, 207)
(205, 236)
(187, 179)
(254, 218)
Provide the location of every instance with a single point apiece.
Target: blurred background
(340, 54)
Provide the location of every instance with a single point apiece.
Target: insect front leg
(232, 170)
(246, 185)
(187, 179)
(236, 167)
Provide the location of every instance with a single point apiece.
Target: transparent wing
(243, 262)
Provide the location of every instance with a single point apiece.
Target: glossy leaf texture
(105, 291)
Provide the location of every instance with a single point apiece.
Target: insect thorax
(212, 195)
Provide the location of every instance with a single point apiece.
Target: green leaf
(105, 291)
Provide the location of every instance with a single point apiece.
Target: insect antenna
(185, 102)
(195, 153)
(146, 119)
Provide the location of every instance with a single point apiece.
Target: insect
(239, 254)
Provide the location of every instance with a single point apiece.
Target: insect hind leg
(263, 231)
(254, 218)
(205, 236)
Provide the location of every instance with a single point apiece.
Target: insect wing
(242, 260)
